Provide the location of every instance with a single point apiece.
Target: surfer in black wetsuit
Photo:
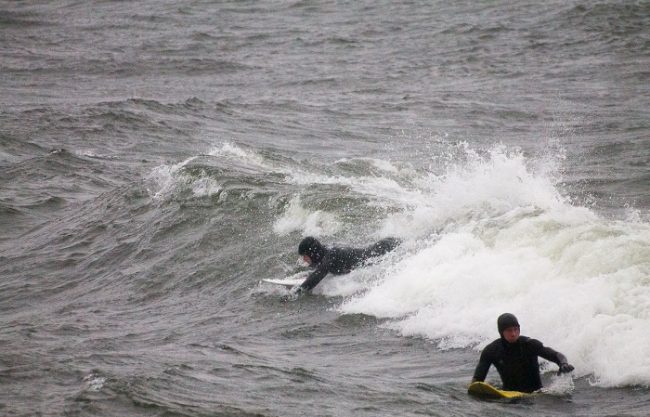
(337, 260)
(515, 358)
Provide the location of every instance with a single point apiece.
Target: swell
(119, 242)
(20, 20)
(45, 184)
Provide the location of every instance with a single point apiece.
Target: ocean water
(159, 158)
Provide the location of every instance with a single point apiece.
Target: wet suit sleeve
(483, 366)
(548, 353)
(315, 277)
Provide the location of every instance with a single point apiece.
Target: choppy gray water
(157, 159)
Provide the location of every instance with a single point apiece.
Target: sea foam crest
(297, 218)
(165, 180)
(482, 187)
(231, 150)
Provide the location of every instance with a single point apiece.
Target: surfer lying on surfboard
(515, 358)
(336, 260)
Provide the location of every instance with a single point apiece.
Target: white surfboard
(285, 282)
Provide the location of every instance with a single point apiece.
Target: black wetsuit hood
(312, 247)
(505, 321)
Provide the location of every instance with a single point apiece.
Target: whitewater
(496, 234)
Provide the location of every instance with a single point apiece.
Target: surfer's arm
(314, 278)
(482, 368)
(553, 356)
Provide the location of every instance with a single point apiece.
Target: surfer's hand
(293, 294)
(297, 290)
(565, 368)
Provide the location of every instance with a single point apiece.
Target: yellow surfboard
(485, 390)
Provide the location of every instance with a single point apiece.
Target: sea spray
(508, 241)
(297, 218)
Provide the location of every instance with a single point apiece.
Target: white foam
(168, 179)
(163, 179)
(231, 150)
(560, 385)
(94, 383)
(308, 222)
(492, 236)
(205, 186)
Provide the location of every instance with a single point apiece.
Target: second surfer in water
(336, 260)
(515, 358)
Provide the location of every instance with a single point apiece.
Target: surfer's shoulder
(531, 343)
(493, 347)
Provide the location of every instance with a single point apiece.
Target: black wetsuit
(343, 260)
(516, 363)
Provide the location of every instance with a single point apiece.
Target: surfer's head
(311, 250)
(508, 326)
